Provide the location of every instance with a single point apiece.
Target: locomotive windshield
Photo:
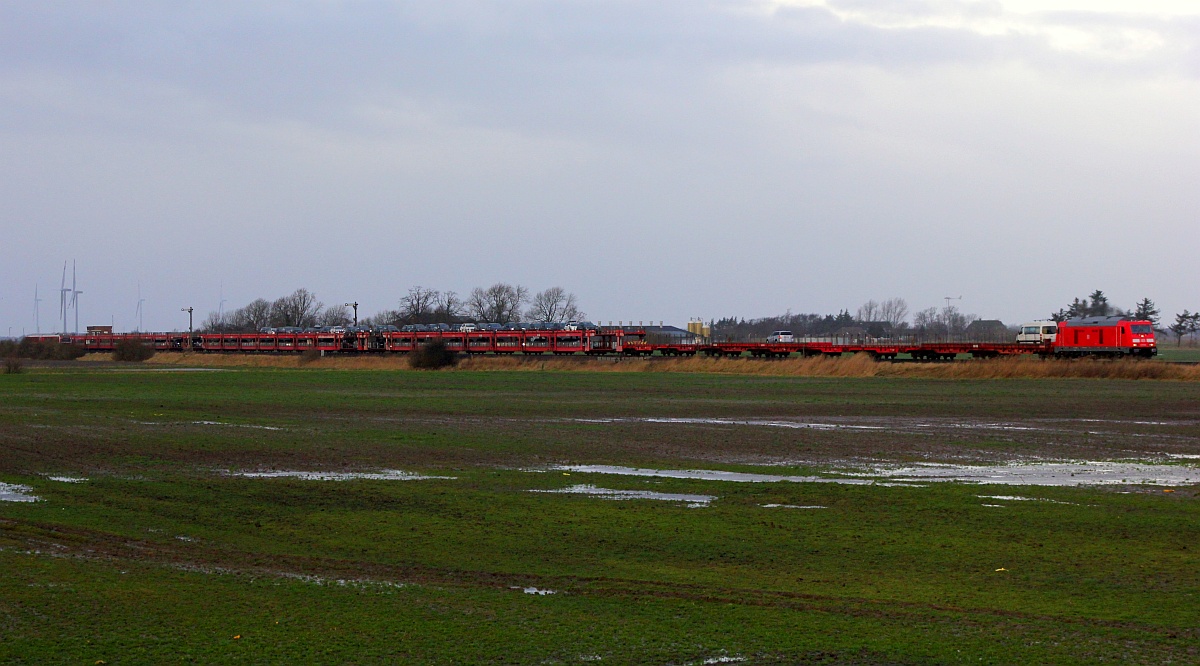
(1141, 328)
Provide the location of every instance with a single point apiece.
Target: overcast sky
(662, 160)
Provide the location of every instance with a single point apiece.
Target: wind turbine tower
(75, 297)
(62, 299)
(37, 322)
(138, 312)
(221, 308)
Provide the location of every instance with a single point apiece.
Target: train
(1105, 337)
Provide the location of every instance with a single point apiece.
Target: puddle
(236, 425)
(10, 492)
(67, 479)
(768, 423)
(1016, 498)
(208, 423)
(1017, 474)
(792, 506)
(1049, 474)
(534, 590)
(693, 501)
(385, 475)
(708, 475)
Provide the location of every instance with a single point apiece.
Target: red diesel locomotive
(1105, 336)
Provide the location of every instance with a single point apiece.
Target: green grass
(163, 556)
(1175, 353)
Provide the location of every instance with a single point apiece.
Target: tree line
(500, 303)
(885, 318)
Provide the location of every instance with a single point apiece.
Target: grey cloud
(273, 145)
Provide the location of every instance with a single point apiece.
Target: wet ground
(10, 492)
(607, 493)
(1078, 473)
(384, 475)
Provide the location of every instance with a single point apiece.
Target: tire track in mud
(55, 540)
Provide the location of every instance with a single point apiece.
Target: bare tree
(955, 322)
(334, 315)
(894, 311)
(300, 308)
(927, 320)
(419, 305)
(255, 315)
(499, 303)
(554, 304)
(449, 307)
(384, 318)
(213, 323)
(868, 312)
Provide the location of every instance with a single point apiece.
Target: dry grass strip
(858, 365)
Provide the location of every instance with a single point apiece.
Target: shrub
(132, 350)
(432, 355)
(12, 365)
(309, 356)
(44, 350)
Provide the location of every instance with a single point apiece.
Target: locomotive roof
(1111, 320)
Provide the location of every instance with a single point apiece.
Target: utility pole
(189, 311)
(355, 306)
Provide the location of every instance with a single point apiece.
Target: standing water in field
(1083, 473)
(1018, 474)
(385, 475)
(14, 493)
(693, 501)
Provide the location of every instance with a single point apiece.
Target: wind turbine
(62, 299)
(36, 320)
(138, 313)
(75, 297)
(221, 308)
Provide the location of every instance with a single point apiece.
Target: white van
(1037, 332)
(781, 336)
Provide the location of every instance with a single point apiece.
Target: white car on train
(1038, 332)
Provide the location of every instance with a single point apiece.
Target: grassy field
(1176, 353)
(167, 552)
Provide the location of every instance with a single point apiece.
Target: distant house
(866, 329)
(851, 332)
(670, 334)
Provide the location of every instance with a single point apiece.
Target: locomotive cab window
(1142, 329)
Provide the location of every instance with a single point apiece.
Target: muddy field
(274, 514)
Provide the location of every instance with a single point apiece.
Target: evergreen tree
(1185, 323)
(1099, 306)
(1147, 310)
